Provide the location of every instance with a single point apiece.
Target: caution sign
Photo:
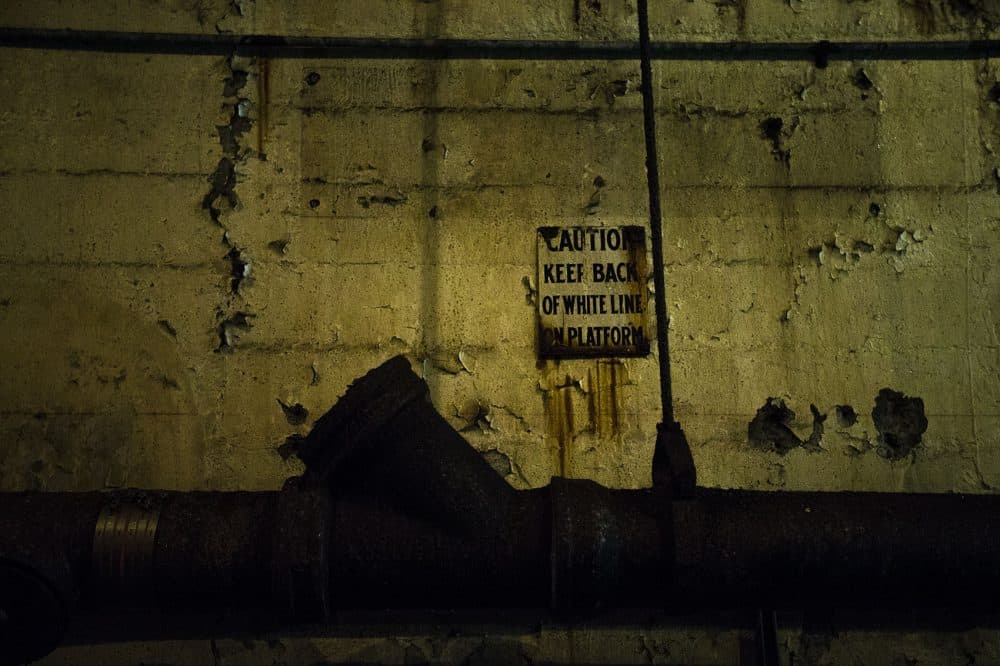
(592, 292)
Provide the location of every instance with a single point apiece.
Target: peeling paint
(933, 16)
(222, 196)
(240, 267)
(531, 291)
(801, 280)
(230, 329)
(476, 414)
(223, 181)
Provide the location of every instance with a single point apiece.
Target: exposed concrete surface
(199, 254)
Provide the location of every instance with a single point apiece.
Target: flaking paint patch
(477, 415)
(231, 328)
(976, 16)
(233, 319)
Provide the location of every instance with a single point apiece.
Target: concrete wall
(199, 254)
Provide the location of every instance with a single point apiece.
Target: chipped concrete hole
(295, 413)
(280, 246)
(222, 199)
(863, 82)
(223, 181)
(773, 129)
(167, 327)
(477, 415)
(770, 429)
(846, 416)
(900, 422)
(231, 328)
(239, 267)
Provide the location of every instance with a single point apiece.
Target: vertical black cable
(655, 222)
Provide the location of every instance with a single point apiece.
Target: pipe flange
(124, 543)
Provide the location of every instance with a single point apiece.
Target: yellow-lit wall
(155, 335)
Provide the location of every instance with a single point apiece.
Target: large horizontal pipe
(304, 47)
(397, 511)
(574, 547)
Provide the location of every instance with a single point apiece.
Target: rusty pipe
(397, 511)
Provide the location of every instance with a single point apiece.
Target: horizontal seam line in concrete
(49, 412)
(752, 262)
(715, 263)
(105, 264)
(6, 173)
(592, 112)
(460, 187)
(282, 46)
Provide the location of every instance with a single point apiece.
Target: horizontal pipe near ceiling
(279, 46)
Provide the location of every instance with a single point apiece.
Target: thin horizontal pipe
(279, 46)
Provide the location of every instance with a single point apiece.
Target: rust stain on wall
(559, 431)
(604, 397)
(598, 392)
